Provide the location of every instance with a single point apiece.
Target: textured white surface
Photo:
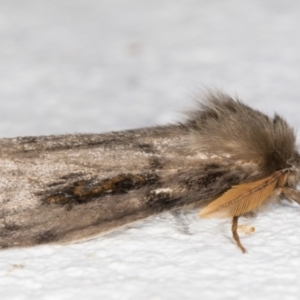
(92, 66)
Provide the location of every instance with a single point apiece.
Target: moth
(226, 157)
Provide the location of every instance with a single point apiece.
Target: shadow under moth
(226, 157)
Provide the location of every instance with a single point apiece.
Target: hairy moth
(226, 157)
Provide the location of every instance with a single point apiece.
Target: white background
(100, 65)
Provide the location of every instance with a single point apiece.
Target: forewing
(60, 189)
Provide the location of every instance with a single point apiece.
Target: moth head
(293, 171)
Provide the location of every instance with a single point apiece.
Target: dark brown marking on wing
(203, 181)
(11, 227)
(210, 178)
(156, 163)
(72, 176)
(147, 148)
(87, 190)
(212, 166)
(57, 183)
(47, 236)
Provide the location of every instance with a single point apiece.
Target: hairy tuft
(224, 126)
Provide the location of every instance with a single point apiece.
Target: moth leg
(235, 234)
(291, 194)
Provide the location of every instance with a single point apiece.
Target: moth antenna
(242, 198)
(235, 234)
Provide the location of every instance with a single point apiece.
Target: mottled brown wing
(75, 187)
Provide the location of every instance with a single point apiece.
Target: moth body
(226, 157)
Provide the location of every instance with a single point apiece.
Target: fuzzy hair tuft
(223, 125)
